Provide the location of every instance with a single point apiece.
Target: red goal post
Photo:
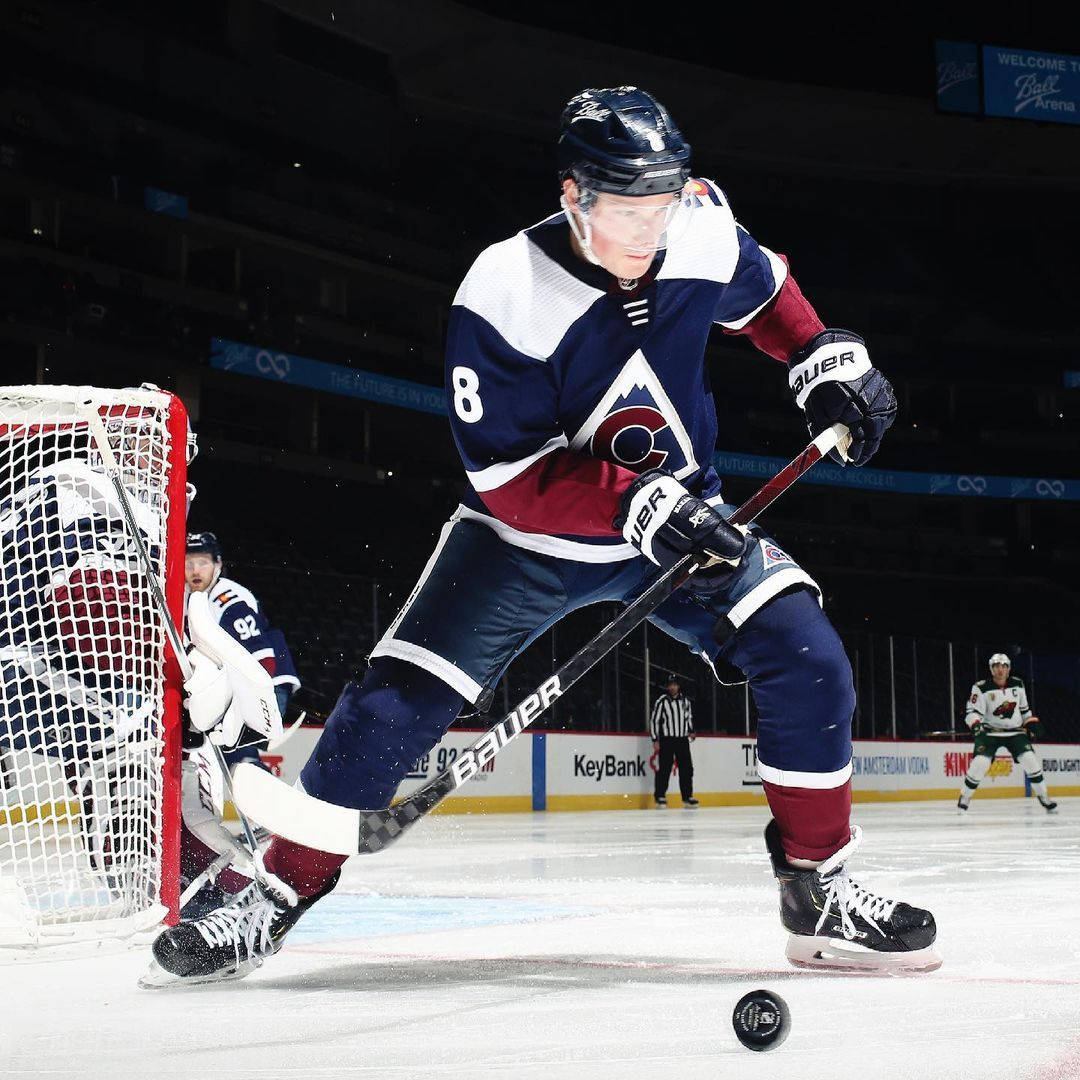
(89, 689)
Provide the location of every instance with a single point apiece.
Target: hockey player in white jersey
(239, 613)
(204, 838)
(999, 716)
(580, 404)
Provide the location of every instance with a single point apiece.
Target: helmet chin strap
(582, 235)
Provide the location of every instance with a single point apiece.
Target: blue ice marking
(339, 917)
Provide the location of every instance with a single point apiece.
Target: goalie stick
(112, 470)
(293, 814)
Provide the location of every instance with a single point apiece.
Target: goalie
(79, 668)
(228, 613)
(78, 677)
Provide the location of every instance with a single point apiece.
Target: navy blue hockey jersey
(563, 386)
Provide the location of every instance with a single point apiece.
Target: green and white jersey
(1002, 708)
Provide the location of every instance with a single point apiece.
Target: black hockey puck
(761, 1020)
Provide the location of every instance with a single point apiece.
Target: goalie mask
(629, 163)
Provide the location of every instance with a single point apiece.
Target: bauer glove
(833, 380)
(665, 522)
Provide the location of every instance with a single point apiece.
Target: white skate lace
(850, 897)
(847, 895)
(247, 920)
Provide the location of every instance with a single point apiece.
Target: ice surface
(601, 945)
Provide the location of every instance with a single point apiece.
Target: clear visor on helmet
(639, 225)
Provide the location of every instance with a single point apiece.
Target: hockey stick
(222, 862)
(297, 816)
(112, 469)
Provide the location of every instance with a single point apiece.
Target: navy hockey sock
(801, 681)
(379, 729)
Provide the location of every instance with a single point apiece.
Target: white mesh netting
(82, 665)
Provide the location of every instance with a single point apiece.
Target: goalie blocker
(229, 695)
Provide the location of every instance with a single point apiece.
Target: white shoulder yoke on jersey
(525, 295)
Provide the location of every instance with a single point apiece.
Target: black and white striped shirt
(671, 716)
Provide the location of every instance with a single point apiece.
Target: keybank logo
(607, 767)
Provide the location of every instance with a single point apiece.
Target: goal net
(89, 691)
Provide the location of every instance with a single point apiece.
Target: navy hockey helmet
(622, 141)
(204, 543)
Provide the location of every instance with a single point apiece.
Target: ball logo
(591, 109)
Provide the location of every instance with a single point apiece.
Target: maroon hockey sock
(814, 823)
(304, 868)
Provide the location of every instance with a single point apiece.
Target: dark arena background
(313, 181)
(266, 207)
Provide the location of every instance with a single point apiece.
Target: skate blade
(836, 955)
(157, 978)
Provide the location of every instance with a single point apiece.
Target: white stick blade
(289, 812)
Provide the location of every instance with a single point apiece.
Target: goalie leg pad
(203, 835)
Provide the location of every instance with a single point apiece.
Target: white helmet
(999, 658)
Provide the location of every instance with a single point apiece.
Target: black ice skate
(834, 923)
(231, 942)
(1048, 805)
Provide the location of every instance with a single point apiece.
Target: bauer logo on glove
(665, 522)
(833, 381)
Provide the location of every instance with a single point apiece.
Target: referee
(672, 729)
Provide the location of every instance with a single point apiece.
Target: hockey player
(204, 836)
(581, 408)
(993, 709)
(239, 613)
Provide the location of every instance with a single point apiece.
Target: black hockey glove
(665, 522)
(979, 728)
(1033, 728)
(833, 380)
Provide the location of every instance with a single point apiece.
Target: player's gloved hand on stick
(833, 380)
(979, 728)
(665, 522)
(1033, 728)
(229, 694)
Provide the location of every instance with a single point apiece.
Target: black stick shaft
(378, 828)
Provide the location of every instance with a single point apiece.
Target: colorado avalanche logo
(628, 437)
(636, 426)
(772, 554)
